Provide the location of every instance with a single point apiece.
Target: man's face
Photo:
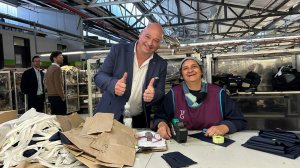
(149, 39)
(59, 59)
(36, 63)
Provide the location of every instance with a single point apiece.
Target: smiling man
(133, 73)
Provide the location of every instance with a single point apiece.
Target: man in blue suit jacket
(32, 85)
(133, 73)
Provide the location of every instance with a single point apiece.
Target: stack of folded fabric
(278, 142)
(177, 160)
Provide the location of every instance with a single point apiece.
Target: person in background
(54, 84)
(32, 85)
(198, 104)
(133, 73)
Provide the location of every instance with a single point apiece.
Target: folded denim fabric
(293, 148)
(55, 137)
(177, 159)
(268, 150)
(60, 136)
(286, 141)
(263, 140)
(270, 141)
(278, 142)
(281, 135)
(202, 137)
(265, 145)
(172, 162)
(180, 157)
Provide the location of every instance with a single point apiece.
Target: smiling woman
(191, 72)
(198, 104)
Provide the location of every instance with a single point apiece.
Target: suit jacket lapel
(42, 78)
(33, 74)
(150, 72)
(129, 66)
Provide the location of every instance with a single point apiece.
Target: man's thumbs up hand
(124, 77)
(120, 86)
(149, 92)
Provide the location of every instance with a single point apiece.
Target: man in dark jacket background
(33, 86)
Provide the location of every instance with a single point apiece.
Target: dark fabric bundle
(204, 138)
(228, 81)
(278, 142)
(177, 160)
(250, 82)
(287, 78)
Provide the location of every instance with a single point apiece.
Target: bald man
(133, 73)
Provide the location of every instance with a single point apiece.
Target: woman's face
(191, 71)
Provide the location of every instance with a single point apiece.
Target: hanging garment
(287, 78)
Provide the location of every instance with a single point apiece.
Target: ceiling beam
(276, 8)
(92, 2)
(236, 6)
(177, 2)
(237, 16)
(241, 14)
(198, 11)
(225, 24)
(295, 9)
(217, 16)
(198, 17)
(146, 12)
(233, 19)
(164, 14)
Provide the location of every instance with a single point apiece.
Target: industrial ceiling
(191, 21)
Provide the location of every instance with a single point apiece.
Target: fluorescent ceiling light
(215, 43)
(257, 53)
(73, 53)
(239, 41)
(115, 3)
(77, 52)
(114, 17)
(45, 55)
(97, 51)
(64, 53)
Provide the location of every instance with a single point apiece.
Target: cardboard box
(7, 115)
(68, 122)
